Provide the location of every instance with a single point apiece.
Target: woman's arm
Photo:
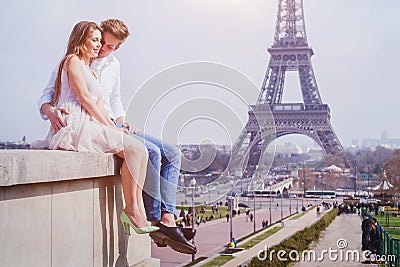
(100, 106)
(77, 81)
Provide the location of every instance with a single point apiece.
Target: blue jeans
(159, 192)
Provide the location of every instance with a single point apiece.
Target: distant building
(385, 141)
(14, 145)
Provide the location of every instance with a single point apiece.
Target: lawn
(260, 238)
(218, 261)
(395, 233)
(222, 259)
(393, 221)
(295, 217)
(390, 221)
(222, 211)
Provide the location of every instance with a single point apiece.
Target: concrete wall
(60, 208)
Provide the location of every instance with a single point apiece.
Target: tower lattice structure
(289, 52)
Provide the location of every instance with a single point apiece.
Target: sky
(356, 61)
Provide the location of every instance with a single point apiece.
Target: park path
(344, 236)
(212, 236)
(291, 226)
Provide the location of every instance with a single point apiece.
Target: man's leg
(169, 234)
(170, 165)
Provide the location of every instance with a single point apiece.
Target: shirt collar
(102, 62)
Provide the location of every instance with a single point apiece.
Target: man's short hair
(116, 27)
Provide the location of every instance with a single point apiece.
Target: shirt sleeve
(48, 92)
(115, 97)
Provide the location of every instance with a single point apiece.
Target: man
(164, 159)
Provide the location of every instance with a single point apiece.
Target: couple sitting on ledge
(82, 100)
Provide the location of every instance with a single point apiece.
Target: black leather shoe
(188, 232)
(159, 238)
(174, 238)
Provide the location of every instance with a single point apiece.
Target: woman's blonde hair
(76, 46)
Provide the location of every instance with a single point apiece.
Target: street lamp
(322, 182)
(270, 202)
(254, 206)
(369, 169)
(230, 213)
(209, 196)
(281, 203)
(290, 203)
(355, 180)
(183, 186)
(302, 196)
(193, 184)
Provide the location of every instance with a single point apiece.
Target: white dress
(83, 133)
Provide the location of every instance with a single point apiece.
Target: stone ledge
(19, 167)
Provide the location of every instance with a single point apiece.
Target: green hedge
(299, 242)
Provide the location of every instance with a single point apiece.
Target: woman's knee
(137, 150)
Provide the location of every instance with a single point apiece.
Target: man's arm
(116, 102)
(115, 96)
(47, 111)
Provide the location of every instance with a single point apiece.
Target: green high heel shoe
(127, 223)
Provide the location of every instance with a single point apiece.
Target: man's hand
(125, 131)
(131, 127)
(128, 125)
(55, 116)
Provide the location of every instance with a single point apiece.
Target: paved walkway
(344, 236)
(290, 228)
(212, 236)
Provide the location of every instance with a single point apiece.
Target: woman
(89, 127)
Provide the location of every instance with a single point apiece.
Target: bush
(299, 242)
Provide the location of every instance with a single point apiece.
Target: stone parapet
(60, 208)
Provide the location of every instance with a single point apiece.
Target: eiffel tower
(289, 52)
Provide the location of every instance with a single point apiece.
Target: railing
(290, 107)
(391, 249)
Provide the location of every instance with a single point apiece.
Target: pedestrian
(366, 229)
(376, 237)
(247, 214)
(251, 217)
(227, 217)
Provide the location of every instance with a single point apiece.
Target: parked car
(243, 205)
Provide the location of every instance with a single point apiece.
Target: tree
(392, 168)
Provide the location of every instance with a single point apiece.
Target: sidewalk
(290, 228)
(344, 231)
(213, 235)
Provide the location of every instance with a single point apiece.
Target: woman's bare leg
(134, 155)
(139, 190)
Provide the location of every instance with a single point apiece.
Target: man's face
(109, 43)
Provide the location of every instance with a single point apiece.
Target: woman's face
(93, 44)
